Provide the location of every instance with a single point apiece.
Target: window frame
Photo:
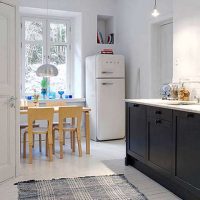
(46, 46)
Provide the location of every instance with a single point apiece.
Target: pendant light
(155, 12)
(47, 70)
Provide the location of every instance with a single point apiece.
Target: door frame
(17, 81)
(15, 4)
(154, 30)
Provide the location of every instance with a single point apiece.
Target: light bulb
(155, 13)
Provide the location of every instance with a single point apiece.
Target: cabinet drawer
(159, 113)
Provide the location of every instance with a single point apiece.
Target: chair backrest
(55, 103)
(31, 104)
(40, 114)
(66, 112)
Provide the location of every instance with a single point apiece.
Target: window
(45, 41)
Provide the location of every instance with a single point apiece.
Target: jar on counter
(183, 94)
(174, 91)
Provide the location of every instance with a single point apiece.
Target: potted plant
(44, 86)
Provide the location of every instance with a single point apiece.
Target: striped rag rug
(115, 187)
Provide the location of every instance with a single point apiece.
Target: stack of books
(106, 51)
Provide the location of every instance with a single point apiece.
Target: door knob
(11, 101)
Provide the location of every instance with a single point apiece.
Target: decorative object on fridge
(106, 51)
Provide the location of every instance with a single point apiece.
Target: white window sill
(73, 100)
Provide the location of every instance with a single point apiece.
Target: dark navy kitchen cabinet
(165, 144)
(136, 132)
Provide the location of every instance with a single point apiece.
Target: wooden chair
(54, 104)
(24, 126)
(40, 114)
(72, 112)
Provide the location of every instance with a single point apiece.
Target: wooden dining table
(86, 111)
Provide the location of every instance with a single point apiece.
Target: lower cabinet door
(137, 130)
(160, 142)
(187, 166)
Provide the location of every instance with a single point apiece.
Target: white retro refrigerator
(105, 94)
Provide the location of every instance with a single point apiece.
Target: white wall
(186, 39)
(134, 41)
(89, 10)
(133, 36)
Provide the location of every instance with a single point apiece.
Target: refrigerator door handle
(107, 72)
(107, 83)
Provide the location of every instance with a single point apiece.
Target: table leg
(87, 132)
(72, 135)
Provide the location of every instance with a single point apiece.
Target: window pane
(58, 57)
(33, 31)
(33, 59)
(58, 32)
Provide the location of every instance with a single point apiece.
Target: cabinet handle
(158, 112)
(107, 72)
(107, 83)
(158, 121)
(190, 115)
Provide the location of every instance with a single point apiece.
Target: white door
(7, 90)
(166, 41)
(110, 109)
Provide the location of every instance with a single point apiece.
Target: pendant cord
(47, 52)
(47, 8)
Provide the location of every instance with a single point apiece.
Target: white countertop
(195, 108)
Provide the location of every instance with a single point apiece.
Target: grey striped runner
(83, 188)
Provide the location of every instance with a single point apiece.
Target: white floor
(106, 158)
